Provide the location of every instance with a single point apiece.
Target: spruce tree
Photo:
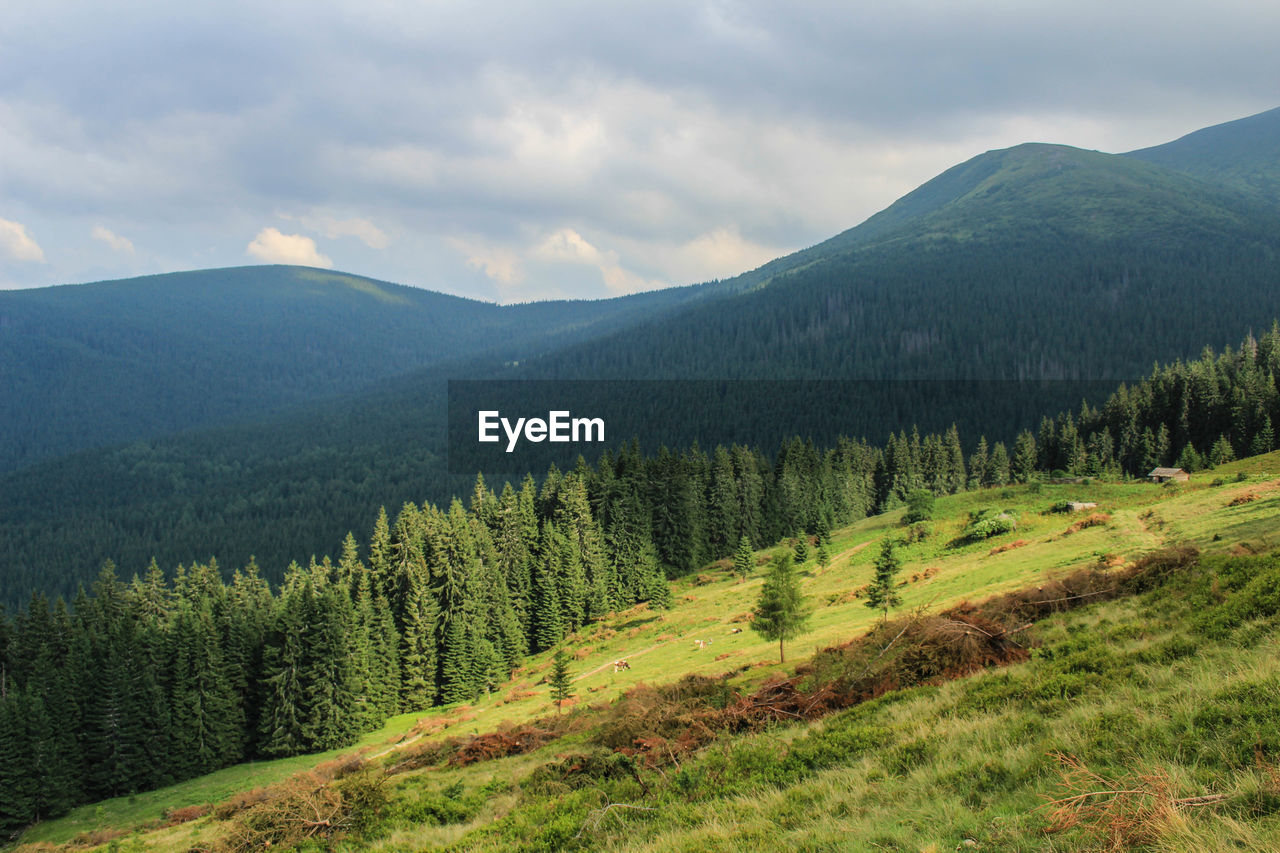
(1221, 452)
(416, 660)
(997, 466)
(1264, 440)
(882, 594)
(1023, 464)
(284, 698)
(560, 680)
(548, 618)
(781, 612)
(743, 557)
(331, 713)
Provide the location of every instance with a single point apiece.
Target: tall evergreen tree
(882, 594)
(781, 612)
(560, 680)
(743, 557)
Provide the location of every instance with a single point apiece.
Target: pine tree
(1221, 452)
(417, 652)
(380, 557)
(882, 594)
(823, 556)
(284, 698)
(1024, 458)
(331, 715)
(1264, 440)
(723, 522)
(979, 465)
(560, 680)
(953, 479)
(207, 721)
(998, 466)
(548, 619)
(801, 549)
(743, 557)
(781, 612)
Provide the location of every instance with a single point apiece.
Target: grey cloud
(440, 122)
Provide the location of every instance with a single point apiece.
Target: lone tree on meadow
(781, 612)
(743, 557)
(882, 593)
(561, 681)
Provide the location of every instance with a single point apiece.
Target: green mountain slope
(1240, 154)
(97, 364)
(1036, 261)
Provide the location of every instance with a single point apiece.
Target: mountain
(1039, 261)
(98, 364)
(1034, 262)
(1240, 154)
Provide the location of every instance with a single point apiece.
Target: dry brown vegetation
(1000, 549)
(1092, 520)
(1241, 500)
(305, 808)
(1119, 814)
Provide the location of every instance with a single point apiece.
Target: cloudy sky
(531, 150)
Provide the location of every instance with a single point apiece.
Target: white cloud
(17, 243)
(115, 241)
(568, 246)
(720, 253)
(499, 263)
(332, 228)
(276, 248)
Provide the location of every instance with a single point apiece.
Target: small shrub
(986, 523)
(917, 533)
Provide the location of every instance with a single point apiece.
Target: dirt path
(626, 657)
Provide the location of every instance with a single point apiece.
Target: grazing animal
(735, 630)
(621, 664)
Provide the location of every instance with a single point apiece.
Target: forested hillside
(99, 364)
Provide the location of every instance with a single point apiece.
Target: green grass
(709, 606)
(1138, 690)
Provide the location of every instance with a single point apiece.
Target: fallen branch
(595, 816)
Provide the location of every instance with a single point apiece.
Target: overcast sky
(532, 150)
